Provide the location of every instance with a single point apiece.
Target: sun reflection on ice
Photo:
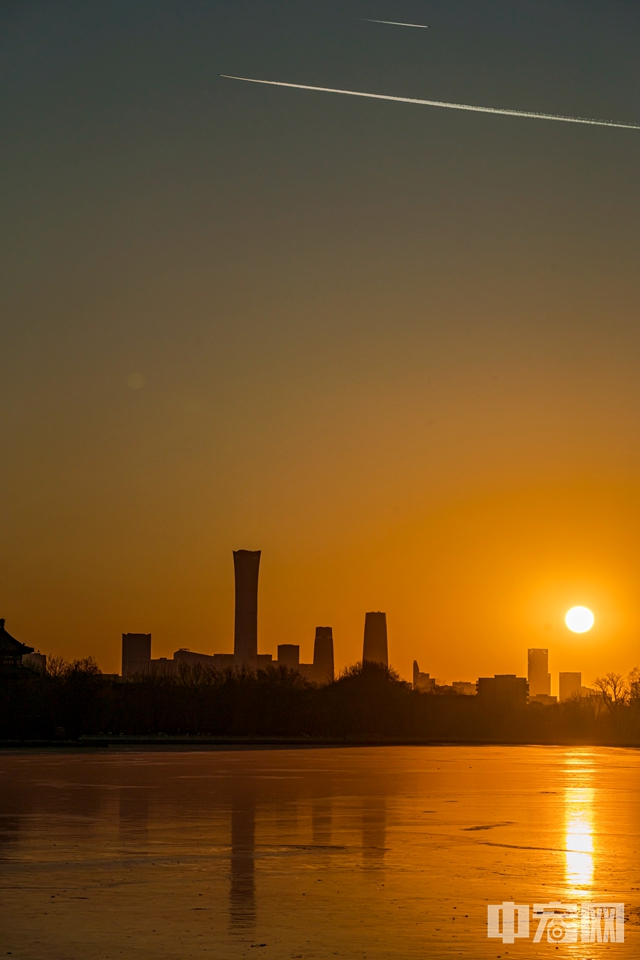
(579, 860)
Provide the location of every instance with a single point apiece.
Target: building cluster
(569, 683)
(137, 659)
(136, 647)
(509, 688)
(428, 684)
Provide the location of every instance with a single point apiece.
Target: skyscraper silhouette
(323, 667)
(569, 684)
(375, 639)
(136, 653)
(538, 672)
(245, 641)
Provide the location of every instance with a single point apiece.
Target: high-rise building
(245, 642)
(289, 655)
(569, 684)
(323, 665)
(422, 681)
(136, 653)
(538, 672)
(375, 649)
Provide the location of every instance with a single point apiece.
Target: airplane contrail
(394, 23)
(441, 103)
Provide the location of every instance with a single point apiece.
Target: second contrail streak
(395, 23)
(441, 103)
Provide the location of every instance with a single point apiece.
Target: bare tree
(87, 666)
(613, 689)
(633, 682)
(61, 667)
(57, 666)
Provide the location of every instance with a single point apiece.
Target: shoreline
(275, 743)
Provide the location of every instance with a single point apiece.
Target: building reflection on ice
(322, 821)
(374, 829)
(371, 826)
(242, 892)
(133, 815)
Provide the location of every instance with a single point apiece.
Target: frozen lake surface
(299, 853)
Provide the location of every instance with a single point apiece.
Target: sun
(579, 619)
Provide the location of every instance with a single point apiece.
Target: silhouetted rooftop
(11, 650)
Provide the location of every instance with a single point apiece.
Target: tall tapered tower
(375, 639)
(246, 564)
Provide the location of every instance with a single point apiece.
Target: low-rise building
(464, 688)
(37, 661)
(503, 688)
(545, 699)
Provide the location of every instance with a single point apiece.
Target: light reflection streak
(579, 846)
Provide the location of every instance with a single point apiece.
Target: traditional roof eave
(9, 646)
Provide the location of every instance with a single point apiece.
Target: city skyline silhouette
(319, 606)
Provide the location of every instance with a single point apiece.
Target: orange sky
(393, 348)
(468, 584)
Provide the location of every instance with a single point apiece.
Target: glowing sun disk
(579, 619)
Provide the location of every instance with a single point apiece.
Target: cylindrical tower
(246, 564)
(323, 669)
(375, 639)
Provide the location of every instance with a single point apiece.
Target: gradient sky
(394, 347)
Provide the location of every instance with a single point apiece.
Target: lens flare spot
(136, 381)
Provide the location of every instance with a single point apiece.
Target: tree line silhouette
(367, 702)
